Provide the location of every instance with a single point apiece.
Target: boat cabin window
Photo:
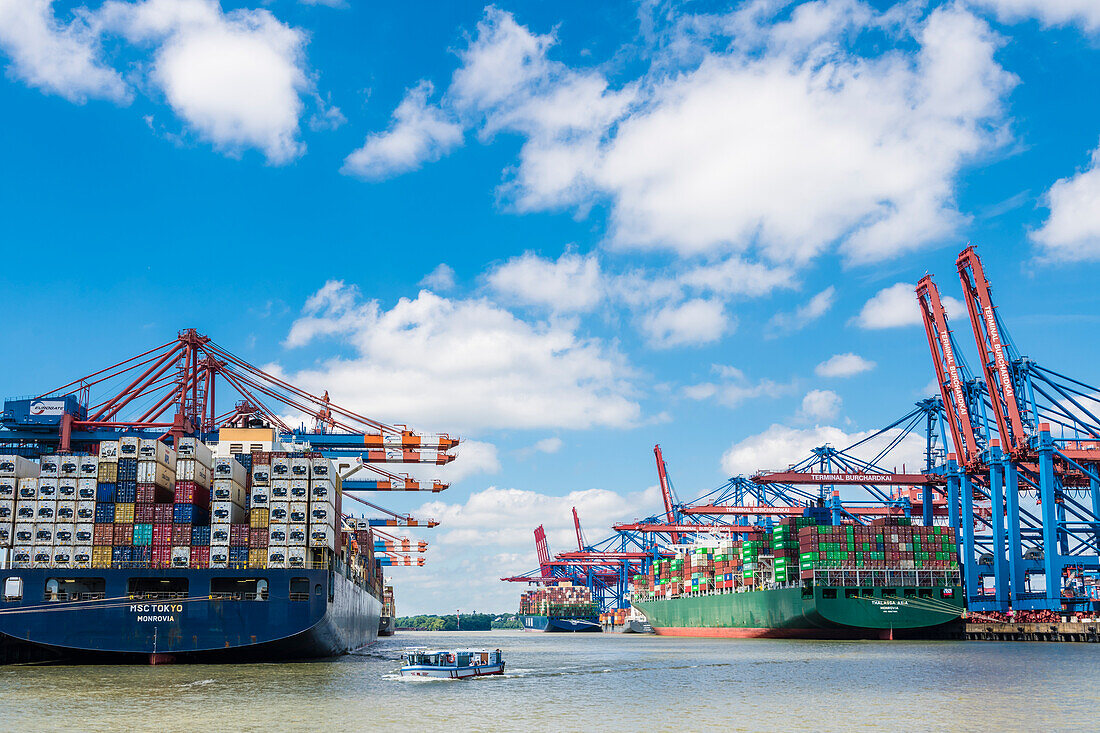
(299, 589)
(239, 589)
(155, 589)
(889, 592)
(75, 589)
(13, 589)
(828, 593)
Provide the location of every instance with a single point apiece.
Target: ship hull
(791, 613)
(559, 625)
(335, 617)
(386, 626)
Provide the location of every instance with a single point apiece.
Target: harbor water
(586, 682)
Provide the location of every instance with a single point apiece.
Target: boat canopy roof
(426, 650)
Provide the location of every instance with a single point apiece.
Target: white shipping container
(46, 511)
(24, 533)
(66, 511)
(8, 485)
(7, 535)
(68, 466)
(47, 488)
(189, 470)
(108, 451)
(42, 557)
(276, 557)
(194, 449)
(280, 512)
(85, 511)
(64, 534)
(322, 535)
(17, 467)
(359, 523)
(154, 450)
(225, 490)
(322, 493)
(50, 467)
(230, 468)
(299, 512)
(151, 472)
(85, 489)
(260, 497)
(322, 514)
(63, 556)
(299, 467)
(181, 557)
(26, 510)
(83, 534)
(89, 467)
(7, 510)
(276, 534)
(297, 535)
(43, 534)
(28, 488)
(280, 489)
(322, 470)
(219, 557)
(280, 467)
(296, 557)
(128, 447)
(66, 488)
(261, 474)
(223, 512)
(21, 556)
(299, 490)
(219, 534)
(82, 556)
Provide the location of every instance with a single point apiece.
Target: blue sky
(564, 234)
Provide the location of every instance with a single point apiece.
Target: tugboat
(454, 664)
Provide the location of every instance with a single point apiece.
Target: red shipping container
(162, 556)
(162, 535)
(200, 557)
(153, 494)
(144, 514)
(188, 492)
(258, 540)
(181, 535)
(103, 534)
(238, 535)
(124, 535)
(162, 514)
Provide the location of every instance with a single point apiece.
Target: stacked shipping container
(558, 601)
(771, 558)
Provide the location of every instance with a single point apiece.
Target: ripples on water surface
(586, 682)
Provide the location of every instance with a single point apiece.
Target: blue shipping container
(190, 514)
(104, 513)
(105, 493)
(126, 494)
(200, 535)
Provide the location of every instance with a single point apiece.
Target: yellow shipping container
(257, 519)
(101, 557)
(124, 513)
(257, 559)
(108, 473)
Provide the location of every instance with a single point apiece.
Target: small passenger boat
(451, 663)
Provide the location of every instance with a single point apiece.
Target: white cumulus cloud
(1072, 231)
(420, 132)
(61, 58)
(807, 313)
(1085, 13)
(441, 279)
(461, 365)
(820, 404)
(691, 323)
(843, 365)
(897, 306)
(236, 78)
(572, 283)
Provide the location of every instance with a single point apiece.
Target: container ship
(145, 525)
(563, 607)
(387, 624)
(190, 554)
(808, 580)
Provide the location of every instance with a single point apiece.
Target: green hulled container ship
(804, 580)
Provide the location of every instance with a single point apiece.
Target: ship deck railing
(72, 597)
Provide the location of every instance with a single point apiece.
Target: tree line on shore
(468, 622)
